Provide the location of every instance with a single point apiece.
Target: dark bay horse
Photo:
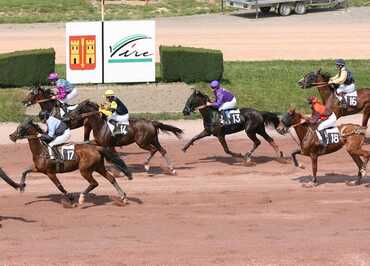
(140, 131)
(89, 159)
(254, 123)
(44, 98)
(320, 80)
(352, 138)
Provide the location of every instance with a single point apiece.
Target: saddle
(118, 128)
(60, 154)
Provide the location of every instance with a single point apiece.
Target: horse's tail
(116, 160)
(8, 180)
(168, 128)
(270, 119)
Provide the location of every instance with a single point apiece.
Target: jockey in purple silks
(224, 99)
(65, 90)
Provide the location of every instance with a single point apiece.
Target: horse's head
(289, 119)
(25, 129)
(312, 79)
(84, 107)
(195, 100)
(36, 93)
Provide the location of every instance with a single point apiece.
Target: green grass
(267, 85)
(11, 108)
(272, 85)
(27, 11)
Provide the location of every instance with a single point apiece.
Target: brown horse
(140, 131)
(89, 159)
(43, 98)
(352, 138)
(320, 80)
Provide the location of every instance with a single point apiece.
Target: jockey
(115, 110)
(344, 82)
(224, 99)
(320, 114)
(57, 134)
(65, 90)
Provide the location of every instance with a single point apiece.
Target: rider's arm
(339, 78)
(219, 99)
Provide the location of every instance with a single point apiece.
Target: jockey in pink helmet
(65, 90)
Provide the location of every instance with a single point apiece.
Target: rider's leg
(328, 123)
(59, 140)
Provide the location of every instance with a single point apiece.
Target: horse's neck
(301, 131)
(35, 146)
(206, 113)
(325, 93)
(97, 124)
(47, 106)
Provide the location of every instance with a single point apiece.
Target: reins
(89, 114)
(44, 100)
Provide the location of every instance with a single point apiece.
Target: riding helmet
(109, 93)
(53, 76)
(215, 84)
(340, 62)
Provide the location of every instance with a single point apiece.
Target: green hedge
(190, 64)
(26, 68)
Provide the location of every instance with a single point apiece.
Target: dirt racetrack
(215, 211)
(317, 35)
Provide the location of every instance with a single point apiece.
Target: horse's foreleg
(87, 131)
(314, 169)
(22, 184)
(360, 165)
(59, 186)
(294, 158)
(202, 134)
(222, 140)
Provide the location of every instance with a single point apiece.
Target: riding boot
(323, 141)
(65, 108)
(58, 160)
(343, 103)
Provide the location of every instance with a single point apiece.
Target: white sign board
(84, 52)
(129, 51)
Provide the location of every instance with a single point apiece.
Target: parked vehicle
(283, 7)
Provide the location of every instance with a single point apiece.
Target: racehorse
(140, 131)
(44, 98)
(352, 138)
(89, 158)
(320, 80)
(254, 123)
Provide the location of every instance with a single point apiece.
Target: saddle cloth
(330, 135)
(118, 128)
(230, 116)
(69, 108)
(66, 151)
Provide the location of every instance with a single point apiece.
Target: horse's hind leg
(103, 171)
(87, 174)
(256, 143)
(359, 164)
(163, 152)
(279, 154)
(365, 116)
(153, 150)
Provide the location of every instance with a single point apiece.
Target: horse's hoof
(147, 167)
(119, 201)
(301, 166)
(173, 172)
(22, 187)
(310, 185)
(249, 163)
(81, 199)
(183, 150)
(363, 172)
(353, 183)
(67, 204)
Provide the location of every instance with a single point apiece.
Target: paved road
(316, 35)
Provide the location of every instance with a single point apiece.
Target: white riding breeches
(348, 90)
(121, 119)
(228, 105)
(73, 94)
(59, 140)
(330, 122)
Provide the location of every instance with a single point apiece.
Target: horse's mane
(201, 94)
(46, 91)
(87, 103)
(325, 75)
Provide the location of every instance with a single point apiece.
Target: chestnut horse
(352, 138)
(140, 131)
(320, 80)
(43, 98)
(89, 159)
(254, 123)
